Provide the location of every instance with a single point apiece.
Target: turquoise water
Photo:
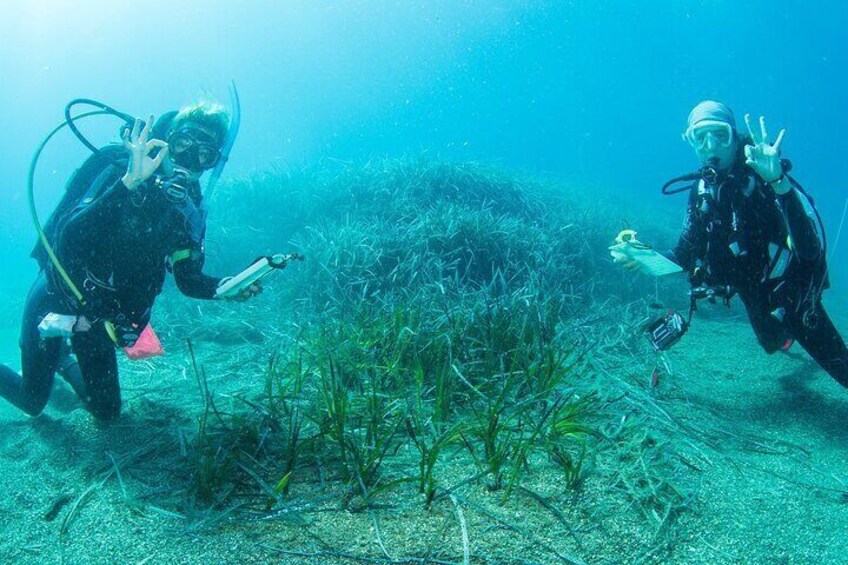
(592, 91)
(453, 173)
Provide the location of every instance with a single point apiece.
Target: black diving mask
(193, 149)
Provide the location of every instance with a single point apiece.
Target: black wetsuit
(116, 246)
(735, 235)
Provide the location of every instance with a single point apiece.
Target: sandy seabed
(764, 438)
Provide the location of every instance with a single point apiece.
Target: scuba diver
(750, 229)
(130, 213)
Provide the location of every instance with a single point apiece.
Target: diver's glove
(764, 158)
(141, 166)
(245, 293)
(246, 283)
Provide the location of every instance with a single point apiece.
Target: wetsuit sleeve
(691, 241)
(102, 210)
(188, 257)
(83, 242)
(75, 190)
(188, 274)
(800, 219)
(85, 231)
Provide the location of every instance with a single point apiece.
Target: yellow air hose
(42, 237)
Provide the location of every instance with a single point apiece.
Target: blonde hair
(207, 114)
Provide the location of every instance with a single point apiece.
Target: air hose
(69, 121)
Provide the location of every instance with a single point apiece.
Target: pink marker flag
(148, 345)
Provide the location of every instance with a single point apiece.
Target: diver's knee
(837, 368)
(770, 343)
(768, 346)
(105, 414)
(34, 406)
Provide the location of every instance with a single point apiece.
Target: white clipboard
(650, 262)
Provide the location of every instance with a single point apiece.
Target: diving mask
(700, 134)
(193, 149)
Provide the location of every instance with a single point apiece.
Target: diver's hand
(764, 157)
(244, 294)
(626, 262)
(141, 165)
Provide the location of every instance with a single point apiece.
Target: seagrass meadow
(454, 374)
(442, 379)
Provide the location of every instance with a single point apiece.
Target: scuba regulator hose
(69, 121)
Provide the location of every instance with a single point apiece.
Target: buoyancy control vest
(748, 244)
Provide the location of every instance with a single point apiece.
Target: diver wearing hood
(750, 229)
(132, 212)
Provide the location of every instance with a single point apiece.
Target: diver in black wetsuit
(751, 230)
(131, 212)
